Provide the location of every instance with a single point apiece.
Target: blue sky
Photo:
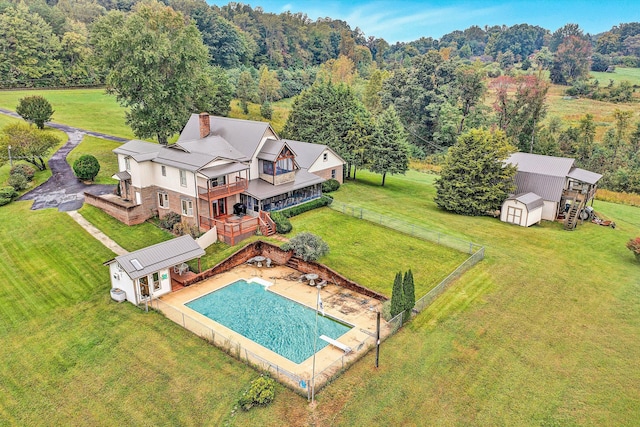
(404, 20)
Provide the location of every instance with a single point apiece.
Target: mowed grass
(89, 109)
(621, 74)
(101, 149)
(71, 356)
(372, 255)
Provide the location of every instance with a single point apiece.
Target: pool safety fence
(298, 383)
(405, 227)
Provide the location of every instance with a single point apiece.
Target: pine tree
(389, 150)
(397, 297)
(409, 294)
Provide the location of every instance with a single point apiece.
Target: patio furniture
(322, 283)
(259, 260)
(268, 262)
(180, 269)
(311, 278)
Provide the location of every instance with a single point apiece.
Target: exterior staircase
(292, 263)
(573, 215)
(267, 226)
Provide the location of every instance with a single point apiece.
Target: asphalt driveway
(63, 190)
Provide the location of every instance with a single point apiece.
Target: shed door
(514, 215)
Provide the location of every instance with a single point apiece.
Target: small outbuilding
(144, 274)
(522, 209)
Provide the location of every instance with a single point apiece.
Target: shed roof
(584, 175)
(156, 257)
(543, 165)
(530, 200)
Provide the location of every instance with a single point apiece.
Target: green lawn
(102, 149)
(89, 109)
(620, 74)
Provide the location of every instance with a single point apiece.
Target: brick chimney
(205, 125)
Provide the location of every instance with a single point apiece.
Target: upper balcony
(223, 190)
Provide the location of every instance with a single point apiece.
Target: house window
(127, 164)
(183, 178)
(187, 207)
(156, 281)
(325, 157)
(333, 174)
(164, 171)
(163, 200)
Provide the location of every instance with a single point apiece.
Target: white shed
(145, 273)
(522, 209)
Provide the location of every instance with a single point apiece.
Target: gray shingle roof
(243, 135)
(271, 149)
(530, 200)
(162, 255)
(306, 152)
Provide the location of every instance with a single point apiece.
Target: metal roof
(140, 151)
(543, 165)
(548, 187)
(584, 175)
(530, 200)
(262, 189)
(162, 255)
(214, 171)
(122, 176)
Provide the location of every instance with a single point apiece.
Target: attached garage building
(522, 209)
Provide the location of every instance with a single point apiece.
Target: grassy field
(544, 331)
(632, 75)
(72, 107)
(102, 149)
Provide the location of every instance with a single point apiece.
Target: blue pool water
(275, 322)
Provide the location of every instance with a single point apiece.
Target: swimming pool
(271, 320)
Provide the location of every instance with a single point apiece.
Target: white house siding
(120, 279)
(254, 170)
(323, 167)
(549, 210)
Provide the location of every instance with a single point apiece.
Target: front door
(144, 286)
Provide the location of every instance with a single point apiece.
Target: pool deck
(345, 305)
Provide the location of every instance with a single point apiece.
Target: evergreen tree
(324, 114)
(389, 150)
(409, 294)
(474, 179)
(397, 297)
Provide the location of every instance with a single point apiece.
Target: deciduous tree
(475, 179)
(35, 109)
(572, 61)
(27, 143)
(157, 67)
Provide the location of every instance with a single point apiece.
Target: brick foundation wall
(279, 256)
(130, 215)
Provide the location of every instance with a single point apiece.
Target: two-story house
(221, 172)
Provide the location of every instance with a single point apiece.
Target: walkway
(103, 238)
(63, 190)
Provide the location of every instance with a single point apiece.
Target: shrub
(170, 220)
(330, 185)
(261, 393)
(307, 246)
(634, 246)
(86, 167)
(18, 181)
(25, 170)
(283, 225)
(182, 228)
(7, 194)
(304, 207)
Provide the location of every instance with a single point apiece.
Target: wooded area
(475, 78)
